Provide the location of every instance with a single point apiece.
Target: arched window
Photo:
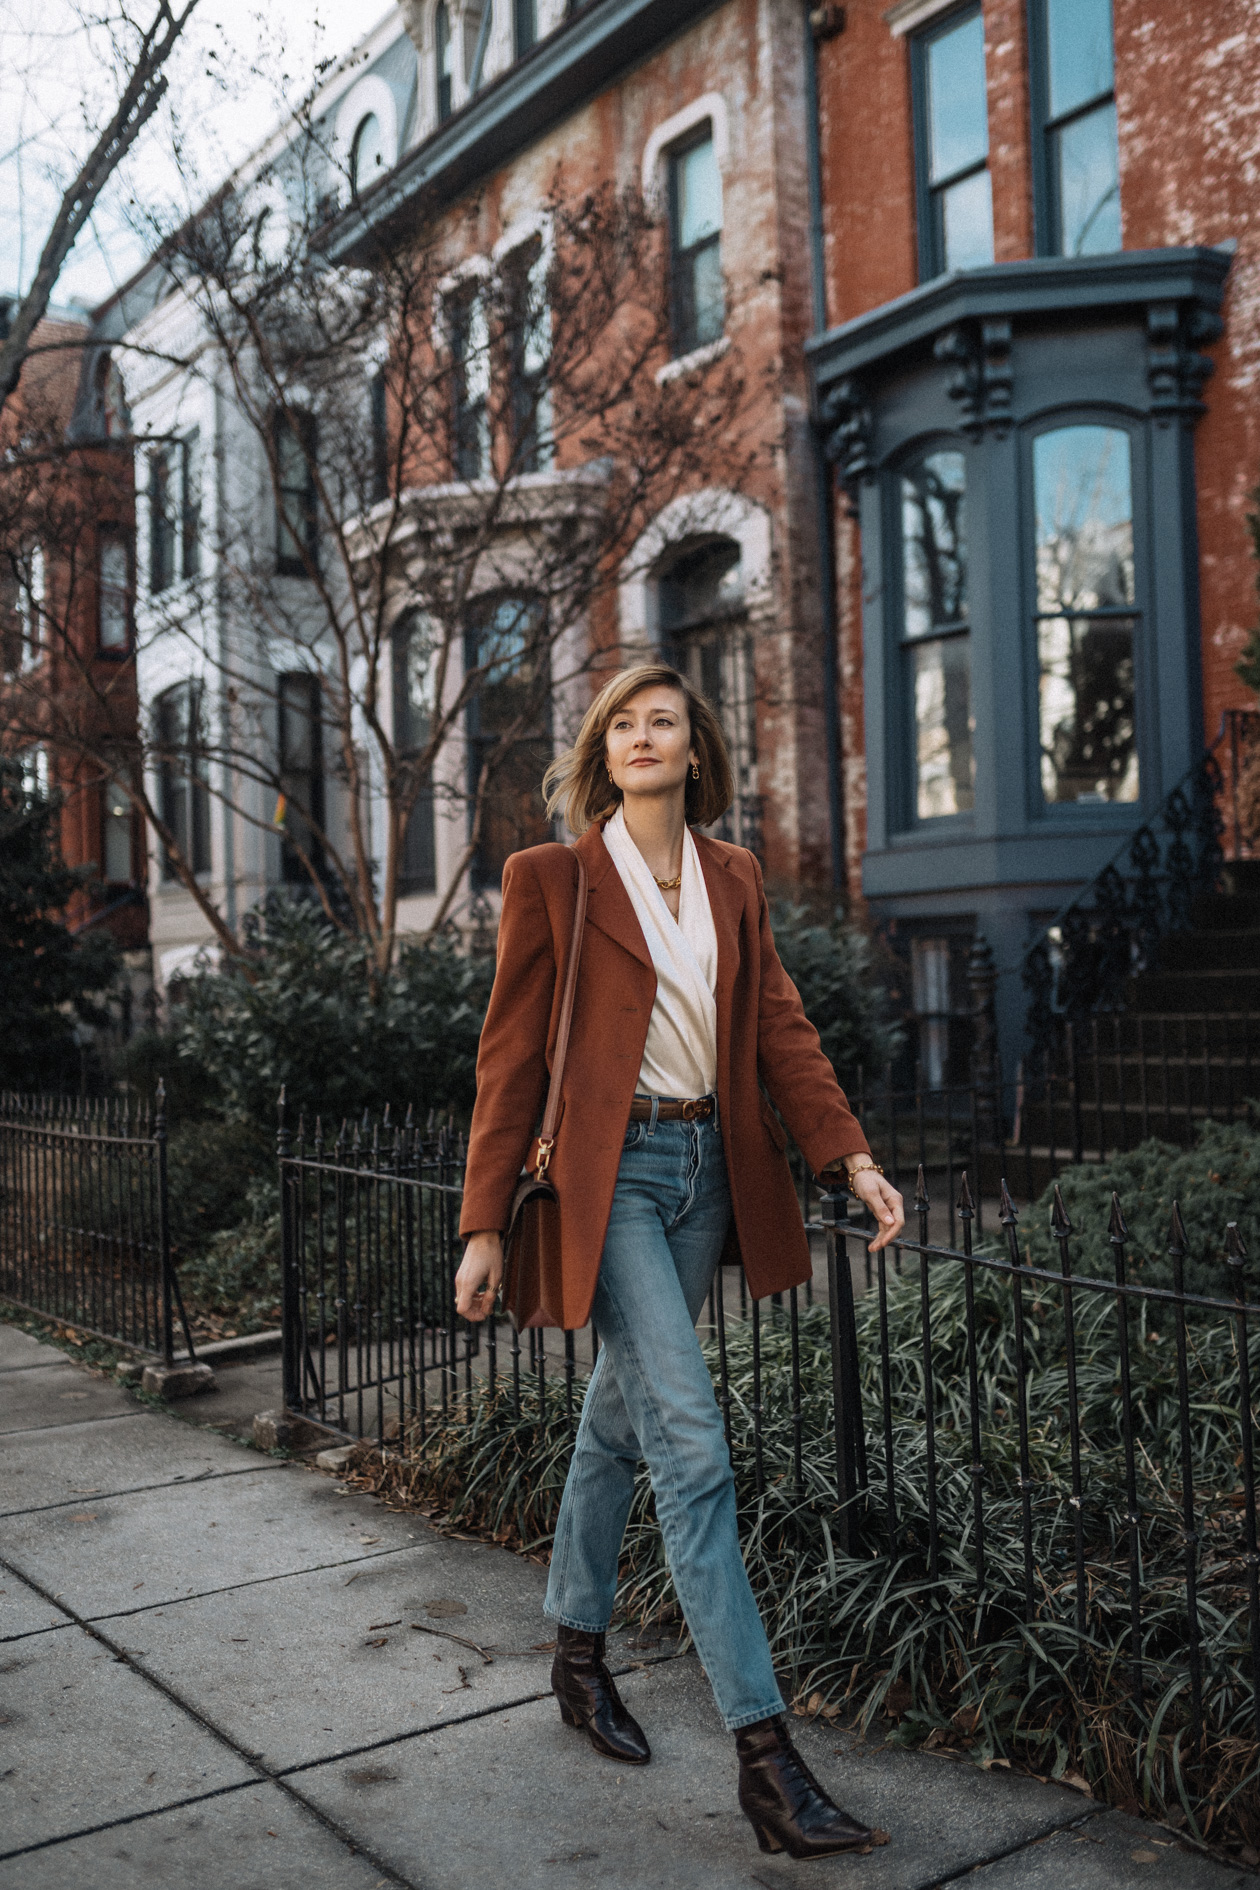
(705, 634)
(1086, 620)
(367, 154)
(936, 633)
(444, 59)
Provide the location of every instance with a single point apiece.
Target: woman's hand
(878, 1194)
(480, 1275)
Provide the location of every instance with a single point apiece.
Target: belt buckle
(690, 1110)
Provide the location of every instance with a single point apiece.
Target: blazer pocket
(773, 1127)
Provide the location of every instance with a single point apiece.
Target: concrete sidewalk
(219, 1670)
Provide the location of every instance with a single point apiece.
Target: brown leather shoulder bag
(532, 1291)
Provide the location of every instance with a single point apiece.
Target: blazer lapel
(726, 900)
(607, 901)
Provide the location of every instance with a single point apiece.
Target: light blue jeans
(651, 1396)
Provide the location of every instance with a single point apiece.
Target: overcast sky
(230, 79)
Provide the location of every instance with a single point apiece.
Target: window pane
(934, 544)
(1088, 740)
(116, 866)
(698, 195)
(967, 223)
(944, 764)
(1083, 494)
(1083, 497)
(1089, 184)
(1079, 52)
(161, 520)
(513, 692)
(701, 584)
(525, 20)
(414, 656)
(115, 611)
(958, 113)
(367, 158)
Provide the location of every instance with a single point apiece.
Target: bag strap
(547, 1138)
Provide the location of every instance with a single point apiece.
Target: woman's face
(648, 744)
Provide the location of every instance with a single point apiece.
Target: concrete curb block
(282, 1430)
(177, 1381)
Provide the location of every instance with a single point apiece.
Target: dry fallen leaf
(1144, 1857)
(1077, 1783)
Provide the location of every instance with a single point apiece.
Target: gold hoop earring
(695, 770)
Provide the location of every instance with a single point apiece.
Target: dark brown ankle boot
(785, 1804)
(588, 1697)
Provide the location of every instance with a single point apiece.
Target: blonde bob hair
(577, 785)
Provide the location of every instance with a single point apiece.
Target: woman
(668, 1158)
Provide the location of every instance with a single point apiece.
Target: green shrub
(235, 1273)
(1213, 1183)
(49, 980)
(833, 967)
(312, 1022)
(213, 1172)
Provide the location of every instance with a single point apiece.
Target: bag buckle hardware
(544, 1157)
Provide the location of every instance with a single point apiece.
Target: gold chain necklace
(669, 885)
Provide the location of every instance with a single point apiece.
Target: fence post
(845, 1387)
(164, 1227)
(291, 1338)
(981, 990)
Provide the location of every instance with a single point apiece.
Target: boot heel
(766, 1841)
(567, 1713)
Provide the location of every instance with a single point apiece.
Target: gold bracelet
(869, 1166)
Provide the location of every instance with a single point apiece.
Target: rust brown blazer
(765, 1042)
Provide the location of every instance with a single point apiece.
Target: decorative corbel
(848, 432)
(981, 379)
(1175, 367)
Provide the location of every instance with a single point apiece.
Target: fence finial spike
(1176, 1231)
(964, 1203)
(410, 1121)
(1006, 1207)
(1117, 1230)
(1060, 1219)
(1235, 1246)
(921, 1201)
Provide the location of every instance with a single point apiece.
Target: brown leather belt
(698, 1110)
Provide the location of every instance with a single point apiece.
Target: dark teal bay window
(1016, 444)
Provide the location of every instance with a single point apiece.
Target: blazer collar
(607, 901)
(608, 904)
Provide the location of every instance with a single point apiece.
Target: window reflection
(935, 628)
(954, 142)
(1082, 155)
(1086, 621)
(509, 730)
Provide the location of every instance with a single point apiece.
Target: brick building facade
(69, 687)
(1041, 256)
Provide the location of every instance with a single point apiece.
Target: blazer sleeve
(792, 1064)
(512, 1053)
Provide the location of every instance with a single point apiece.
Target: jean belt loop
(656, 1110)
(714, 1117)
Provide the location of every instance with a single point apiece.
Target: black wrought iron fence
(1023, 1435)
(84, 1218)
